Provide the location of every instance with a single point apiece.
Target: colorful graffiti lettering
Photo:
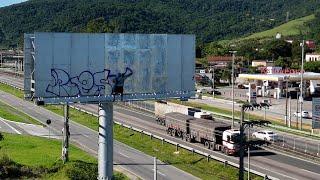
(86, 83)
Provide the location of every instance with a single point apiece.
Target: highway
(268, 162)
(276, 111)
(271, 163)
(128, 158)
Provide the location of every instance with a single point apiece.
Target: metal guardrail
(171, 142)
(300, 146)
(209, 156)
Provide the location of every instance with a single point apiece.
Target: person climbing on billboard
(118, 81)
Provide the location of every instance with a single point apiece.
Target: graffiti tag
(86, 83)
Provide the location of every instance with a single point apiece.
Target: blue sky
(9, 2)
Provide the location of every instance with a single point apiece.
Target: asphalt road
(277, 110)
(128, 158)
(277, 165)
(272, 163)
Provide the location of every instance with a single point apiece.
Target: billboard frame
(30, 50)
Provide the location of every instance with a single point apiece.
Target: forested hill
(209, 19)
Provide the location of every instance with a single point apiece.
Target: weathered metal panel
(83, 65)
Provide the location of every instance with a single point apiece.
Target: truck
(214, 135)
(163, 107)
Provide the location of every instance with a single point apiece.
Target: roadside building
(264, 63)
(311, 44)
(312, 57)
(221, 62)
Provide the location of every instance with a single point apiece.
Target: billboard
(81, 67)
(315, 113)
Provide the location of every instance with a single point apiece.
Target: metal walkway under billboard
(91, 68)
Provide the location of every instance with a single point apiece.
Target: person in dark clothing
(119, 83)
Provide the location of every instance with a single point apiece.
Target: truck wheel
(173, 132)
(168, 131)
(212, 146)
(226, 151)
(179, 134)
(188, 138)
(207, 145)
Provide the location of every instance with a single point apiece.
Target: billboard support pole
(105, 152)
(66, 135)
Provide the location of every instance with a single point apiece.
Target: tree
(1, 36)
(98, 26)
(313, 66)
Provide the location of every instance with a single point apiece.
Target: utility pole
(286, 116)
(241, 168)
(249, 154)
(155, 168)
(105, 150)
(232, 84)
(298, 95)
(1, 59)
(66, 135)
(289, 115)
(212, 76)
(301, 82)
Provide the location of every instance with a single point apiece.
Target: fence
(209, 156)
(300, 145)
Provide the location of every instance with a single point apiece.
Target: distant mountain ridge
(210, 20)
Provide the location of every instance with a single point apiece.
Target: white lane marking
(124, 155)
(85, 135)
(158, 172)
(14, 129)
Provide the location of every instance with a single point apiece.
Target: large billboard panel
(315, 113)
(79, 66)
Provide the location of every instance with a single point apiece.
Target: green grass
(9, 113)
(30, 157)
(194, 164)
(183, 159)
(37, 151)
(11, 90)
(290, 28)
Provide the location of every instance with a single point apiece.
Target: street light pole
(301, 83)
(241, 168)
(286, 116)
(249, 154)
(212, 76)
(232, 83)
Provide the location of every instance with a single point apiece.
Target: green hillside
(209, 20)
(292, 28)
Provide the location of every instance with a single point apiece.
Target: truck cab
(203, 115)
(231, 141)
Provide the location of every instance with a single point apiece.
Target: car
(305, 114)
(266, 135)
(215, 92)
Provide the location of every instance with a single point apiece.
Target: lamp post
(286, 78)
(232, 84)
(301, 82)
(243, 125)
(212, 76)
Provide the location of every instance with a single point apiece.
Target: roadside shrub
(79, 170)
(1, 136)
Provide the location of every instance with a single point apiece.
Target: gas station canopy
(294, 77)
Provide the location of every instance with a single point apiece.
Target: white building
(312, 57)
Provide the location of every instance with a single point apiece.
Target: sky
(9, 2)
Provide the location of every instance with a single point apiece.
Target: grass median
(29, 157)
(9, 113)
(193, 163)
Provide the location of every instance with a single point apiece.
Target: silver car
(265, 135)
